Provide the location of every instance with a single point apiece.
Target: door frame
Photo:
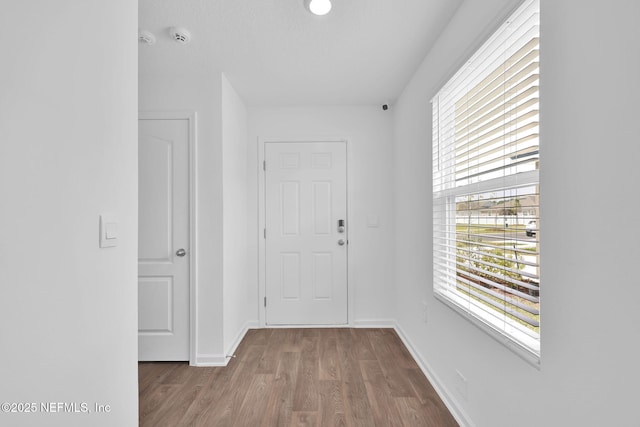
(191, 117)
(262, 252)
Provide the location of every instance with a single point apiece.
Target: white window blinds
(485, 183)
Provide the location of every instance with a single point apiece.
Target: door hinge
(264, 165)
(265, 301)
(264, 233)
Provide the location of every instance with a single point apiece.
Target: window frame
(506, 331)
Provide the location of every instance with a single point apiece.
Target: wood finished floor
(296, 377)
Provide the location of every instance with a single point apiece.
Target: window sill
(483, 322)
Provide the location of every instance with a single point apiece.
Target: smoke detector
(146, 37)
(180, 35)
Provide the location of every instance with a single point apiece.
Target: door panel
(290, 276)
(306, 267)
(163, 228)
(155, 209)
(290, 201)
(321, 209)
(322, 274)
(155, 297)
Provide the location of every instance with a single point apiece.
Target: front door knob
(341, 242)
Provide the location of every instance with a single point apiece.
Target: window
(486, 218)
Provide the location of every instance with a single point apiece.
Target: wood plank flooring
(296, 377)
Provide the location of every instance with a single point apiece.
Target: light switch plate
(108, 231)
(111, 230)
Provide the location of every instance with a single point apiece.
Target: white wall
(239, 302)
(368, 130)
(590, 316)
(589, 107)
(68, 152)
(203, 94)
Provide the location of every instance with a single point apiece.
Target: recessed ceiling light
(318, 7)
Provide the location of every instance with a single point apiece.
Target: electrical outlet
(461, 385)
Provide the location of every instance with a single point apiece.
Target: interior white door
(163, 240)
(306, 233)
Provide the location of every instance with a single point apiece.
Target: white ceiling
(274, 52)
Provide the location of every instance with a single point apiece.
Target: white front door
(306, 233)
(163, 240)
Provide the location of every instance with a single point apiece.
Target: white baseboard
(449, 400)
(230, 351)
(223, 359)
(374, 323)
(210, 360)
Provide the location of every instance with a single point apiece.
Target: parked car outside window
(531, 228)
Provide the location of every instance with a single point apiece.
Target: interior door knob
(181, 252)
